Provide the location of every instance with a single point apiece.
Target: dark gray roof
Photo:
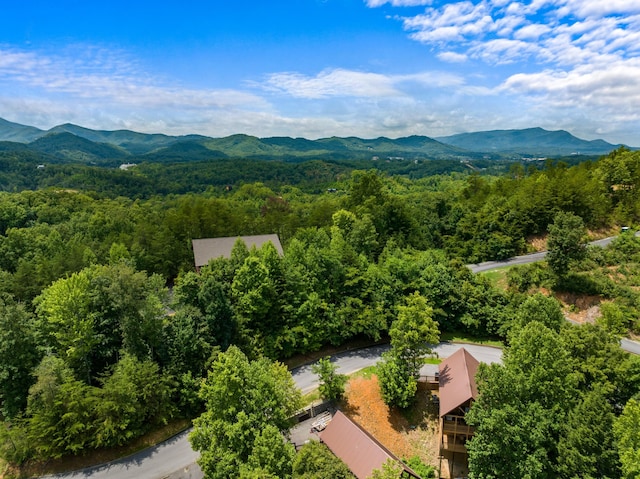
(206, 249)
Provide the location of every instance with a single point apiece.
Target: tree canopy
(248, 407)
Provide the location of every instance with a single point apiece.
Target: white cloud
(329, 83)
(355, 84)
(107, 77)
(600, 8)
(452, 23)
(579, 55)
(452, 57)
(584, 28)
(430, 79)
(531, 32)
(397, 3)
(607, 95)
(105, 89)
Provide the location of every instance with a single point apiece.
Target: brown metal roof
(206, 249)
(457, 380)
(359, 450)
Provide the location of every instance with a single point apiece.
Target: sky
(321, 68)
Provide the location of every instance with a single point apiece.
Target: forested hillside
(73, 143)
(107, 330)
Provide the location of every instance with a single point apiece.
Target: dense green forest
(107, 330)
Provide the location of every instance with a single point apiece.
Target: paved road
(352, 361)
(632, 347)
(528, 258)
(161, 461)
(176, 460)
(531, 258)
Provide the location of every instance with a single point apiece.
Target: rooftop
(457, 380)
(206, 249)
(359, 450)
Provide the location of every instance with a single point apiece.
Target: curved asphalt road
(527, 258)
(632, 347)
(175, 459)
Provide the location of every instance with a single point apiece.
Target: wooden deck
(455, 433)
(457, 427)
(447, 446)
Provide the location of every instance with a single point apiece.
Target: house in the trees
(206, 249)
(457, 392)
(358, 449)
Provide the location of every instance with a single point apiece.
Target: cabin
(206, 249)
(457, 390)
(358, 449)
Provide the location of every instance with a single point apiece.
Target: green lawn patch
(498, 277)
(365, 373)
(462, 337)
(432, 360)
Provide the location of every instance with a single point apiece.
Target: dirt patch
(405, 433)
(538, 242)
(603, 232)
(580, 308)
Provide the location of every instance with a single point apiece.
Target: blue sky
(318, 68)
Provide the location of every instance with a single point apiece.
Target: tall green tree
(412, 334)
(586, 447)
(414, 331)
(93, 315)
(19, 355)
(70, 321)
(271, 455)
(243, 399)
(627, 433)
(540, 308)
(521, 408)
(566, 242)
(331, 383)
(132, 400)
(61, 411)
(398, 384)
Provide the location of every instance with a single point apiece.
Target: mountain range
(73, 143)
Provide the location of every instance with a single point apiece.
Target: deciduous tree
(627, 433)
(315, 461)
(331, 383)
(566, 242)
(242, 398)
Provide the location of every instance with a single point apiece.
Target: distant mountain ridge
(530, 141)
(73, 143)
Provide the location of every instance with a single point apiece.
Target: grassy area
(310, 397)
(498, 277)
(462, 337)
(365, 373)
(432, 360)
